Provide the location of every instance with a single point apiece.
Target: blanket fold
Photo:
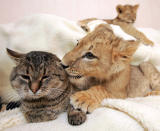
(146, 111)
(132, 114)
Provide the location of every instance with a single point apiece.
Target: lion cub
(43, 87)
(100, 65)
(125, 19)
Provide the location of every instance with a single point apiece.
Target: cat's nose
(35, 87)
(64, 66)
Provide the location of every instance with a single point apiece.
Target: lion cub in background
(125, 19)
(100, 65)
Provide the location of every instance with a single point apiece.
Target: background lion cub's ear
(119, 8)
(124, 51)
(15, 56)
(136, 7)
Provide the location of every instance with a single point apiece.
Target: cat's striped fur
(43, 87)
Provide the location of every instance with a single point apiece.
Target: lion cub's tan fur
(125, 19)
(105, 59)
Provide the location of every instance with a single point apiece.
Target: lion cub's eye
(120, 11)
(89, 55)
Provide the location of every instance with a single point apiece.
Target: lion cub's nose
(64, 66)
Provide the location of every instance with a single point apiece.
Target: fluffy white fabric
(136, 114)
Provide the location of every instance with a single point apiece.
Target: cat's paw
(13, 105)
(82, 100)
(76, 117)
(9, 106)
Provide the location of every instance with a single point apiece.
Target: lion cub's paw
(152, 93)
(76, 117)
(149, 42)
(83, 101)
(85, 28)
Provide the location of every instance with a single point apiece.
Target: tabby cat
(43, 87)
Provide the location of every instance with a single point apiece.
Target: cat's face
(37, 74)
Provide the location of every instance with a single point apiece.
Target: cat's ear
(15, 56)
(119, 8)
(136, 7)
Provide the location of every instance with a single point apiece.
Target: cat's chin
(33, 96)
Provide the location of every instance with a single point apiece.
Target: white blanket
(136, 114)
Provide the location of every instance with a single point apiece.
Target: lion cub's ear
(124, 50)
(15, 56)
(136, 7)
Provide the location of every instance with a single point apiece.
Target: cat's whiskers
(57, 89)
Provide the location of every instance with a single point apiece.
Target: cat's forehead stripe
(36, 59)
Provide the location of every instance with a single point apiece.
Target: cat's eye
(45, 77)
(89, 55)
(25, 77)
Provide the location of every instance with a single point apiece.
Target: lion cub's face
(127, 13)
(97, 57)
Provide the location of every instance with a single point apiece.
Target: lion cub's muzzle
(64, 66)
(71, 72)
